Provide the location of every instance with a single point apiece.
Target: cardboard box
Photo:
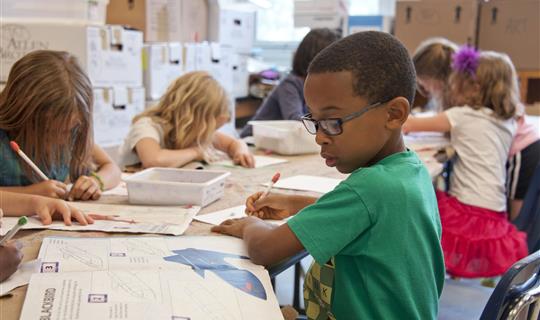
(232, 25)
(365, 23)
(114, 109)
(110, 55)
(163, 63)
(75, 11)
(149, 16)
(513, 27)
(417, 21)
(188, 20)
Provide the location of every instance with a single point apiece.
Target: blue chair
(528, 220)
(278, 268)
(517, 293)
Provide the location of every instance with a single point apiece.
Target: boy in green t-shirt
(376, 237)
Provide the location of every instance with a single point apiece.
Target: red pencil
(275, 179)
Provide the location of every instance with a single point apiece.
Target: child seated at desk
(433, 63)
(478, 240)
(376, 237)
(47, 209)
(46, 108)
(183, 126)
(286, 101)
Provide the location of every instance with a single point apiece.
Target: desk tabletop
(240, 184)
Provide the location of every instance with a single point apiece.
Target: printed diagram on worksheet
(115, 218)
(149, 277)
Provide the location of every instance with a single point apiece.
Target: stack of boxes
(110, 55)
(510, 26)
(188, 35)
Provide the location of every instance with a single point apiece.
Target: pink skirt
(478, 242)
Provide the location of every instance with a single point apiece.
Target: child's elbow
(259, 255)
(152, 162)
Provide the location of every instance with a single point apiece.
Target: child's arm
(276, 206)
(438, 123)
(106, 177)
(107, 169)
(48, 188)
(152, 155)
(266, 244)
(16, 204)
(236, 149)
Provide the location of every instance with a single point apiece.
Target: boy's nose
(322, 138)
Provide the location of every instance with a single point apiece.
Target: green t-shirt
(381, 227)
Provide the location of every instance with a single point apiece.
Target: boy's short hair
(381, 67)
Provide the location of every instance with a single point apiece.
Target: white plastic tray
(169, 186)
(287, 137)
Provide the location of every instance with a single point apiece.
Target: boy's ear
(397, 113)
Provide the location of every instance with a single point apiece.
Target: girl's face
(430, 87)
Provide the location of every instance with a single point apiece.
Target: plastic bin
(287, 137)
(169, 186)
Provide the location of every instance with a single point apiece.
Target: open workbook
(173, 278)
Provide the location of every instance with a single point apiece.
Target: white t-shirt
(482, 143)
(143, 128)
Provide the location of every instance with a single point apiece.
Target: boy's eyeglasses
(333, 126)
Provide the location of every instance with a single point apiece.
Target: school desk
(241, 183)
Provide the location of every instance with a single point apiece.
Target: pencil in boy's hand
(18, 150)
(275, 179)
(21, 222)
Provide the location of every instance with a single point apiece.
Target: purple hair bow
(466, 60)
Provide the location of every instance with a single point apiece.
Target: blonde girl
(46, 107)
(182, 127)
(477, 239)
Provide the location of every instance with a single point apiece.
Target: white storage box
(84, 11)
(114, 109)
(240, 74)
(110, 55)
(232, 24)
(287, 137)
(163, 64)
(170, 186)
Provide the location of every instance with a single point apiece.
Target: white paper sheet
(126, 218)
(176, 278)
(308, 183)
(260, 162)
(20, 278)
(419, 141)
(237, 212)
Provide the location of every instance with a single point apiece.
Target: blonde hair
(188, 111)
(433, 58)
(493, 86)
(45, 94)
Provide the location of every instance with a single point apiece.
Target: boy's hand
(274, 206)
(10, 258)
(53, 209)
(85, 188)
(48, 188)
(234, 227)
